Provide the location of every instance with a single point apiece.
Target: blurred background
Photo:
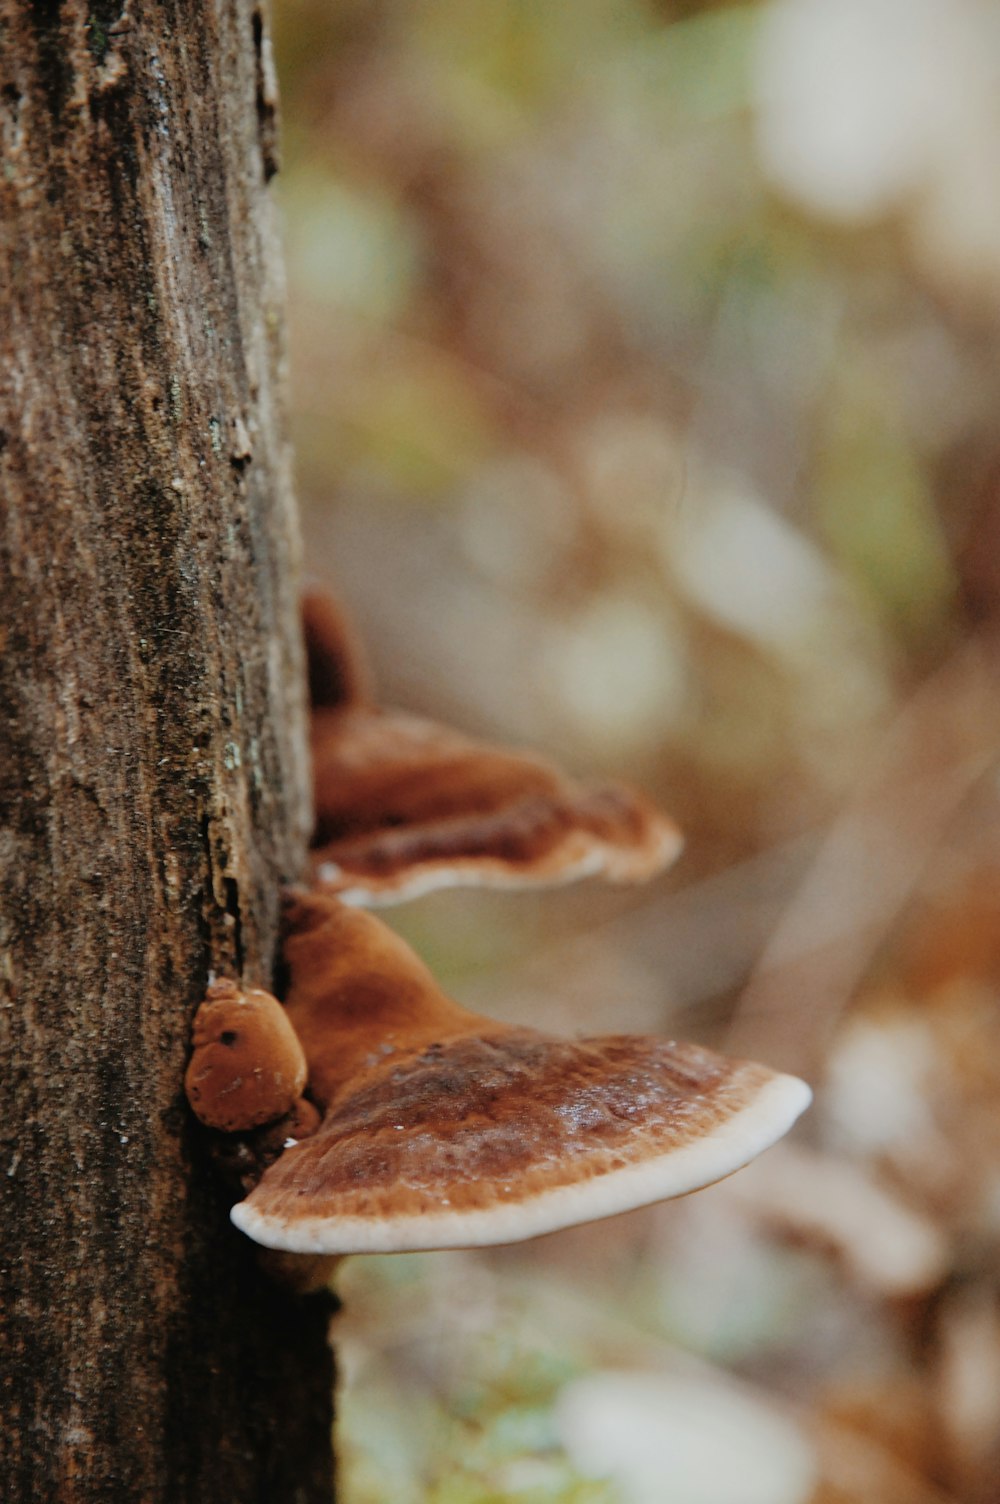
(646, 413)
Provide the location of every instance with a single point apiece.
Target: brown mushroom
(444, 1129)
(404, 806)
(248, 1067)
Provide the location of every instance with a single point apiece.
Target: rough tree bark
(153, 792)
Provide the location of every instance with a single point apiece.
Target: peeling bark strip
(153, 790)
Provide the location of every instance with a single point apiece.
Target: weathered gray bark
(153, 790)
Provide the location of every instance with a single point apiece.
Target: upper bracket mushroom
(404, 805)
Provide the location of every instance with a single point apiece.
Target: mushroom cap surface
(404, 806)
(248, 1066)
(443, 1129)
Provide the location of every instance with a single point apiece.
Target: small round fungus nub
(248, 1067)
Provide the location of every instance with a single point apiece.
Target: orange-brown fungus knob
(248, 1067)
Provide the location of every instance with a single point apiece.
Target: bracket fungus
(424, 1125)
(404, 805)
(248, 1067)
(444, 1129)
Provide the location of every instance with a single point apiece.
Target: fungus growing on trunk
(404, 805)
(248, 1067)
(245, 1081)
(443, 1129)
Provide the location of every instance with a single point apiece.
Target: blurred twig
(939, 746)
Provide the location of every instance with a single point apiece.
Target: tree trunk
(153, 782)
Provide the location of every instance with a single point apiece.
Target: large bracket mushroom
(444, 1129)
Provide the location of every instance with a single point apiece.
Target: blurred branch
(940, 745)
